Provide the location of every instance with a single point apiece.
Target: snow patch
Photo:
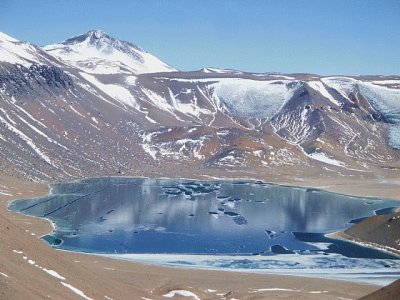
(27, 140)
(4, 274)
(274, 290)
(220, 71)
(131, 80)
(115, 91)
(182, 293)
(184, 148)
(343, 85)
(76, 291)
(53, 273)
(5, 194)
(320, 88)
(322, 157)
(187, 108)
(75, 111)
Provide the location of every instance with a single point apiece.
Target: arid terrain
(97, 106)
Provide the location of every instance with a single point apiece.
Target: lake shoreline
(74, 266)
(342, 235)
(212, 206)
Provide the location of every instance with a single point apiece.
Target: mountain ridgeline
(95, 105)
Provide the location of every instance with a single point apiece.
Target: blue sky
(315, 36)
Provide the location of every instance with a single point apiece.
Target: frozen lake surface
(241, 225)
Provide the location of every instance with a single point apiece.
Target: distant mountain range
(95, 105)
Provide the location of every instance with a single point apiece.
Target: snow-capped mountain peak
(98, 34)
(99, 53)
(102, 41)
(53, 110)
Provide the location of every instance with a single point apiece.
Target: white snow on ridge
(386, 82)
(160, 102)
(383, 99)
(344, 85)
(115, 91)
(191, 80)
(220, 71)
(16, 52)
(386, 101)
(153, 65)
(97, 53)
(187, 108)
(175, 105)
(320, 88)
(7, 38)
(281, 76)
(251, 98)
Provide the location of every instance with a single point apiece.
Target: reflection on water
(131, 215)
